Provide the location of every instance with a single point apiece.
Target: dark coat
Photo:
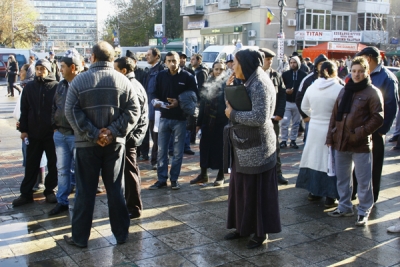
(212, 120)
(59, 121)
(12, 73)
(280, 89)
(36, 107)
(287, 77)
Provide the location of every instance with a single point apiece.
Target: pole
(281, 38)
(12, 24)
(163, 21)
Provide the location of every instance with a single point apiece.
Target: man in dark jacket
(64, 138)
(279, 106)
(126, 66)
(182, 62)
(292, 79)
(169, 85)
(387, 83)
(35, 128)
(139, 73)
(54, 66)
(153, 58)
(200, 71)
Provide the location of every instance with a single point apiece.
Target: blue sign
(164, 40)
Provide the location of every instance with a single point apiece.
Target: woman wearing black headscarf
(253, 190)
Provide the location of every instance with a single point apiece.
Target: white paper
(157, 116)
(331, 162)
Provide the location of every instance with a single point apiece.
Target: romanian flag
(270, 16)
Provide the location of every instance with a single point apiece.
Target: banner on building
(342, 46)
(335, 36)
(281, 48)
(344, 36)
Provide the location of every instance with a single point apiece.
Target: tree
(23, 15)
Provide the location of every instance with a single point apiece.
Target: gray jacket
(252, 134)
(101, 98)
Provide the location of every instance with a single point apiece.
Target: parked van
(219, 52)
(18, 57)
(24, 52)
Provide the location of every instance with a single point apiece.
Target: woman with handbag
(211, 121)
(251, 151)
(12, 74)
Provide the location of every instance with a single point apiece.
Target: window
(371, 22)
(340, 23)
(313, 19)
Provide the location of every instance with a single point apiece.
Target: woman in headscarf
(357, 113)
(318, 103)
(211, 121)
(12, 74)
(253, 189)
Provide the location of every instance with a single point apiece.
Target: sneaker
(175, 185)
(394, 228)
(361, 220)
(219, 181)
(330, 202)
(154, 167)
(158, 185)
(58, 209)
(283, 144)
(338, 213)
(21, 201)
(282, 180)
(199, 179)
(188, 152)
(293, 144)
(394, 138)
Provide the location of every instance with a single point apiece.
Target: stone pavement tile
(374, 231)
(197, 219)
(150, 214)
(290, 197)
(217, 190)
(383, 254)
(185, 239)
(96, 241)
(144, 249)
(19, 231)
(394, 243)
(195, 195)
(163, 226)
(216, 231)
(287, 238)
(314, 251)
(279, 258)
(238, 246)
(341, 223)
(348, 261)
(350, 242)
(179, 209)
(168, 260)
(109, 256)
(239, 263)
(213, 204)
(63, 261)
(315, 210)
(221, 211)
(38, 250)
(162, 200)
(135, 233)
(291, 216)
(209, 255)
(313, 229)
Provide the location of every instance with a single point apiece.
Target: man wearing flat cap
(35, 127)
(139, 73)
(387, 83)
(279, 106)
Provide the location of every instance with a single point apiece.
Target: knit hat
(229, 58)
(132, 55)
(319, 59)
(72, 56)
(249, 60)
(45, 63)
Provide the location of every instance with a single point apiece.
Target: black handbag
(238, 98)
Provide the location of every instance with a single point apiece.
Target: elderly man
(102, 108)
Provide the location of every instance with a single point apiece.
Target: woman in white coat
(318, 104)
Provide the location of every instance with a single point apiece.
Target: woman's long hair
(328, 70)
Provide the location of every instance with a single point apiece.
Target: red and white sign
(342, 46)
(335, 36)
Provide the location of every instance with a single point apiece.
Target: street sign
(164, 40)
(281, 47)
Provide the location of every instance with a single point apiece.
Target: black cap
(319, 59)
(307, 59)
(295, 54)
(369, 51)
(181, 54)
(267, 52)
(132, 55)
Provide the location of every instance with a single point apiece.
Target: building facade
(70, 24)
(305, 23)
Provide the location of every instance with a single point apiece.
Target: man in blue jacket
(387, 82)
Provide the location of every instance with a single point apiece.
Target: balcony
(375, 37)
(316, 4)
(192, 7)
(373, 6)
(234, 5)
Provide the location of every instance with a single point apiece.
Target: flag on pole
(270, 16)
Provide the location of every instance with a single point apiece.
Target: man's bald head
(103, 51)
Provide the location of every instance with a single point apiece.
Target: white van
(25, 52)
(219, 52)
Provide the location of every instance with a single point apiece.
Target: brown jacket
(354, 132)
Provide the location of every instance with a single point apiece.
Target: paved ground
(186, 227)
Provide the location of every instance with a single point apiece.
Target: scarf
(349, 89)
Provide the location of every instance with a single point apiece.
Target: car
(393, 69)
(3, 69)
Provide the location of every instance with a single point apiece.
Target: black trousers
(132, 182)
(145, 147)
(378, 155)
(278, 148)
(34, 153)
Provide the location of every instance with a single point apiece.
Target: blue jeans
(166, 129)
(88, 163)
(187, 142)
(65, 145)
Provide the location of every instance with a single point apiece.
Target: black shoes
(394, 138)
(293, 144)
(175, 185)
(283, 144)
(71, 242)
(51, 198)
(58, 208)
(256, 241)
(232, 235)
(199, 179)
(188, 152)
(330, 202)
(134, 215)
(21, 201)
(219, 181)
(282, 180)
(158, 185)
(312, 197)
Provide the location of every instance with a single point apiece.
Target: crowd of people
(98, 122)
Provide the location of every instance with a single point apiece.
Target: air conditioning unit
(252, 33)
(291, 42)
(291, 22)
(251, 42)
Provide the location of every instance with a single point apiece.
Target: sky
(104, 8)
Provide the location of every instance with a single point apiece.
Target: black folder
(237, 96)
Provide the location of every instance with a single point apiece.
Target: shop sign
(281, 47)
(196, 24)
(335, 36)
(345, 36)
(342, 46)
